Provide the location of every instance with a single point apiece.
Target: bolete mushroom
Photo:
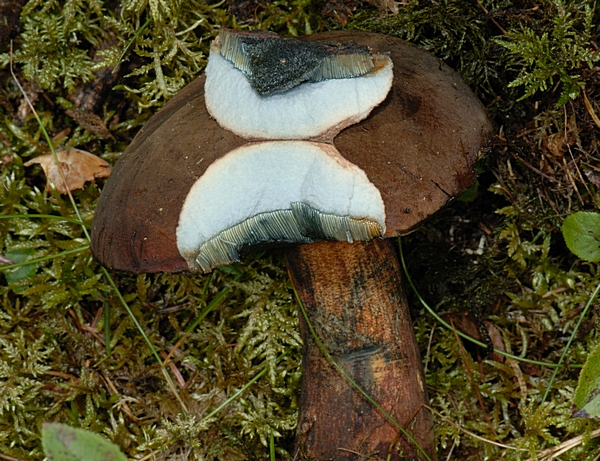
(191, 192)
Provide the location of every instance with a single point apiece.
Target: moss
(70, 351)
(554, 48)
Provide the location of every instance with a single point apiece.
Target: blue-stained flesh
(300, 224)
(273, 64)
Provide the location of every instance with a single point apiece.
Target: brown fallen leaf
(90, 122)
(78, 167)
(487, 332)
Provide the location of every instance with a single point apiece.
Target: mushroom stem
(353, 297)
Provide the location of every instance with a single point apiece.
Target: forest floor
(146, 360)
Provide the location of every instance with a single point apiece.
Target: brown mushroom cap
(419, 148)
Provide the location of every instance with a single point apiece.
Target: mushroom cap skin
(418, 147)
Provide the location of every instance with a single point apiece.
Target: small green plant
(581, 231)
(587, 394)
(53, 48)
(66, 443)
(555, 49)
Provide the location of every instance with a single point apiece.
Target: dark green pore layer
(273, 64)
(300, 224)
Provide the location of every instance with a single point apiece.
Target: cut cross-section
(272, 193)
(274, 64)
(312, 110)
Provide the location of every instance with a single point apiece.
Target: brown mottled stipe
(354, 299)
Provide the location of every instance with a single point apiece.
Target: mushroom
(190, 194)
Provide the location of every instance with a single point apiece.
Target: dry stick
(172, 387)
(426, 358)
(113, 391)
(502, 29)
(449, 457)
(175, 347)
(519, 375)
(475, 387)
(568, 172)
(397, 439)
(472, 434)
(585, 184)
(534, 169)
(551, 453)
(82, 327)
(10, 458)
(590, 109)
(173, 368)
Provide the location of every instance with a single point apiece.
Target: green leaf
(20, 255)
(66, 443)
(470, 194)
(581, 231)
(587, 394)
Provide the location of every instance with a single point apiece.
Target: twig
(534, 169)
(173, 390)
(585, 184)
(502, 29)
(553, 452)
(473, 383)
(113, 391)
(567, 170)
(590, 109)
(10, 458)
(449, 457)
(478, 437)
(519, 375)
(173, 367)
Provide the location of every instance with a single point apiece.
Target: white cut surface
(316, 111)
(268, 176)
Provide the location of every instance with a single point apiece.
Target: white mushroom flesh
(316, 111)
(272, 193)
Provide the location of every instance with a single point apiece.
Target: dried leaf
(78, 167)
(385, 7)
(485, 331)
(497, 340)
(90, 122)
(593, 176)
(6, 160)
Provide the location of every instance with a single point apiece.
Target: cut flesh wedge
(312, 110)
(272, 193)
(274, 64)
